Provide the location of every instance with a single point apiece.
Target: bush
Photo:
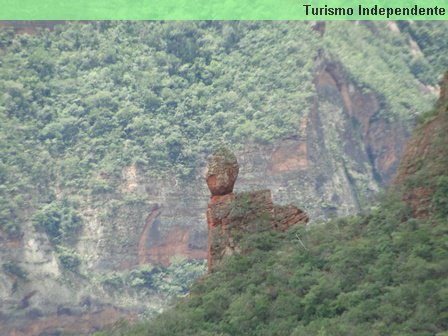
(58, 220)
(145, 276)
(112, 280)
(69, 258)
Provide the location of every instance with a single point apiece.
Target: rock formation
(222, 172)
(425, 158)
(230, 215)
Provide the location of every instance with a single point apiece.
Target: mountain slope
(105, 128)
(384, 273)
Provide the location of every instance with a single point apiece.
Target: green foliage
(101, 187)
(15, 269)
(58, 220)
(69, 258)
(83, 101)
(146, 276)
(172, 281)
(440, 197)
(425, 117)
(225, 155)
(372, 68)
(112, 280)
(87, 100)
(384, 273)
(10, 226)
(183, 273)
(428, 38)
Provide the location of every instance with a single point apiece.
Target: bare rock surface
(222, 172)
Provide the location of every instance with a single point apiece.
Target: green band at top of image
(223, 10)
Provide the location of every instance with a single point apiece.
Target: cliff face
(147, 222)
(342, 152)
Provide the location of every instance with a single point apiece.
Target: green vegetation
(427, 36)
(172, 281)
(68, 258)
(61, 223)
(80, 103)
(392, 54)
(225, 155)
(58, 220)
(86, 100)
(384, 273)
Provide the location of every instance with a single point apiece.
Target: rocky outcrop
(231, 215)
(379, 141)
(425, 157)
(222, 172)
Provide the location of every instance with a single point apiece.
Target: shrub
(58, 220)
(69, 258)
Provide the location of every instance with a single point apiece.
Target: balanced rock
(222, 172)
